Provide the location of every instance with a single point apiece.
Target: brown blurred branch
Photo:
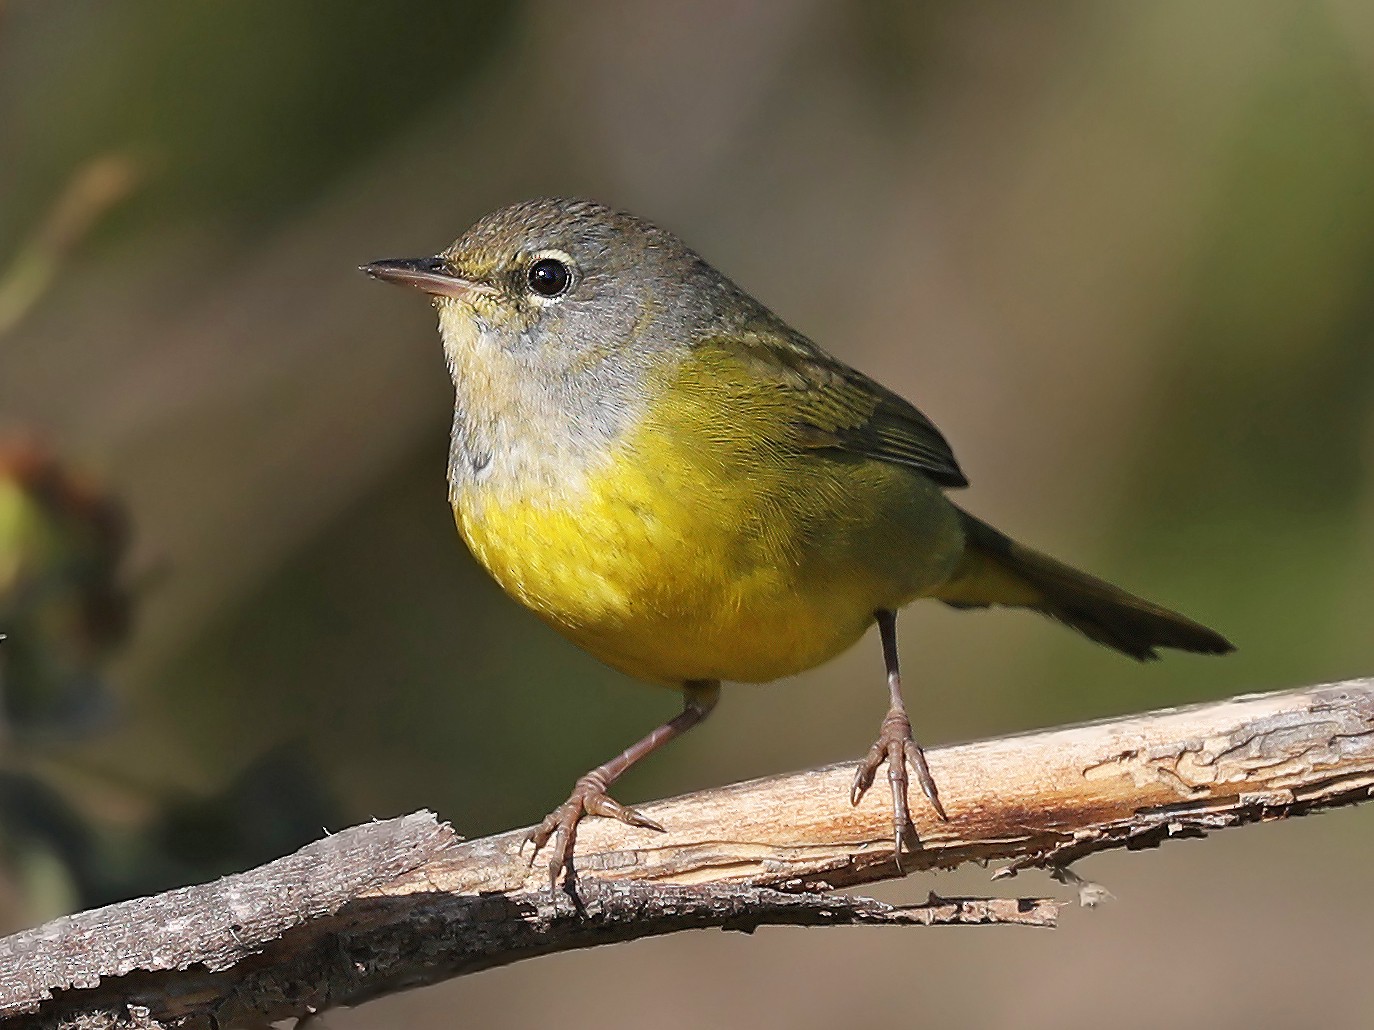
(97, 186)
(398, 904)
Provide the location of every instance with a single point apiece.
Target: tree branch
(401, 903)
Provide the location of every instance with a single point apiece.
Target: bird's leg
(589, 795)
(895, 746)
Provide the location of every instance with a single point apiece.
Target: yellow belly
(672, 565)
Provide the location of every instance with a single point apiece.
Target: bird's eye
(549, 277)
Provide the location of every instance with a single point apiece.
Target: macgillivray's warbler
(692, 491)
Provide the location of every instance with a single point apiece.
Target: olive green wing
(841, 410)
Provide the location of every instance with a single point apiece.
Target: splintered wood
(402, 903)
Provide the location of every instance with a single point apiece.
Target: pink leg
(896, 746)
(589, 795)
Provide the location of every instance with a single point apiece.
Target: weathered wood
(402, 903)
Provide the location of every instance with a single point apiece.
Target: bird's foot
(896, 746)
(588, 797)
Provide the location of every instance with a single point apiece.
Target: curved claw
(556, 822)
(896, 747)
(917, 758)
(588, 797)
(864, 774)
(604, 804)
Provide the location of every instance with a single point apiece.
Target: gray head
(554, 314)
(573, 281)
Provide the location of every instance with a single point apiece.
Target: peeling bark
(401, 903)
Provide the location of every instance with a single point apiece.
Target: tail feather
(997, 570)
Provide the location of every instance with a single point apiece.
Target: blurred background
(1121, 253)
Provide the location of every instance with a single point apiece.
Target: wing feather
(840, 409)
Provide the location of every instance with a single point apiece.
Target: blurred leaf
(63, 606)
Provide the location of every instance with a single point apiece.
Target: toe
(539, 836)
(917, 758)
(604, 805)
(867, 770)
(863, 779)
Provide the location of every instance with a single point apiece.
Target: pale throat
(525, 428)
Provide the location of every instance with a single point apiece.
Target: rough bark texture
(401, 903)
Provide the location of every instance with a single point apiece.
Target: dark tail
(998, 570)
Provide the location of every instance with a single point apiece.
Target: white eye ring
(550, 276)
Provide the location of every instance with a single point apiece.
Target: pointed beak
(431, 274)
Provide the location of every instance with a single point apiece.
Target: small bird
(671, 476)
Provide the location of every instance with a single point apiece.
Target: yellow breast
(684, 555)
